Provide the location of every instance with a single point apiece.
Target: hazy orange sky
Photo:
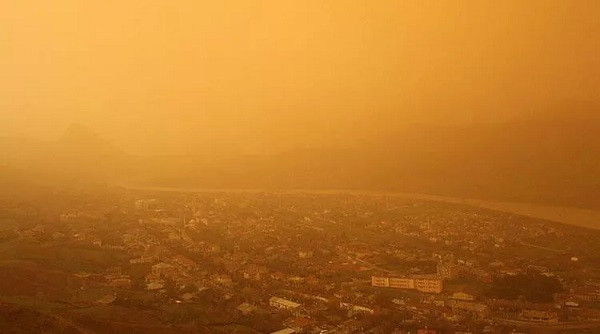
(179, 76)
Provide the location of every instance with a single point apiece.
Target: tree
(532, 286)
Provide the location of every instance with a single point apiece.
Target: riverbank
(567, 215)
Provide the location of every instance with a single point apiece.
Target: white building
(423, 284)
(462, 296)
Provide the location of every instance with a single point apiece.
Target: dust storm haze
(470, 98)
(299, 166)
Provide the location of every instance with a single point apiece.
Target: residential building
(284, 304)
(539, 316)
(402, 283)
(429, 284)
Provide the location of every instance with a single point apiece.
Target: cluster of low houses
(182, 270)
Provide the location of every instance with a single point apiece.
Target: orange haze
(186, 76)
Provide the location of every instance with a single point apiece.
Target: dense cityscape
(127, 261)
(300, 167)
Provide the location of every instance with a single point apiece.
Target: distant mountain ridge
(550, 161)
(79, 139)
(553, 161)
(79, 156)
